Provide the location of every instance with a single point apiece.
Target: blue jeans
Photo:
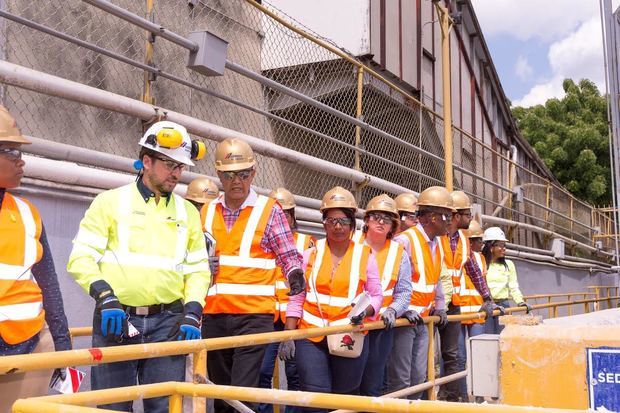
(408, 361)
(492, 326)
(321, 372)
(153, 329)
(467, 330)
(266, 374)
(379, 348)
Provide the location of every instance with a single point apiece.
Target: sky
(535, 44)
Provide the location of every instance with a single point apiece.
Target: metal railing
(285, 84)
(94, 356)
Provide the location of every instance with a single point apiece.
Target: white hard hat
(494, 234)
(172, 140)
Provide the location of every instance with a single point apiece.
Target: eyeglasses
(171, 166)
(444, 217)
(13, 154)
(464, 213)
(380, 218)
(334, 221)
(412, 216)
(243, 175)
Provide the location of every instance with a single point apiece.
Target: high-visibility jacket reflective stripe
(454, 262)
(426, 270)
(246, 280)
(388, 261)
(21, 302)
(331, 291)
(471, 300)
(302, 243)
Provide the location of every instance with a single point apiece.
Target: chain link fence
(400, 141)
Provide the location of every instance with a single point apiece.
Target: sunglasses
(13, 154)
(171, 166)
(243, 175)
(411, 216)
(334, 221)
(380, 218)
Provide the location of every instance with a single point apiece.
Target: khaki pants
(30, 383)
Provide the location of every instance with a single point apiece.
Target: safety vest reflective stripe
(470, 309)
(419, 309)
(357, 237)
(82, 249)
(319, 322)
(242, 289)
(22, 272)
(300, 243)
(89, 238)
(247, 262)
(141, 260)
(281, 285)
(390, 263)
(23, 311)
(416, 248)
(197, 256)
(192, 268)
(388, 293)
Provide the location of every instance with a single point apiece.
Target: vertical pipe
(550, 308)
(431, 359)
(148, 57)
(597, 295)
(570, 307)
(175, 403)
(358, 129)
(199, 367)
(444, 20)
(276, 382)
(571, 216)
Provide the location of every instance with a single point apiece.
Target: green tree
(571, 136)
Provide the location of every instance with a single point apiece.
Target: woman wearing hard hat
(339, 273)
(501, 276)
(381, 222)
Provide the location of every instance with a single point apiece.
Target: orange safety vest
(245, 283)
(426, 270)
(21, 302)
(302, 243)
(454, 262)
(330, 292)
(471, 300)
(388, 261)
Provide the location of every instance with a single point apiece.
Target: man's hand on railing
(489, 306)
(527, 306)
(189, 326)
(389, 318)
(286, 350)
(443, 317)
(358, 319)
(413, 317)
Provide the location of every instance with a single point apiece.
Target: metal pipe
(444, 23)
(511, 246)
(54, 86)
(156, 29)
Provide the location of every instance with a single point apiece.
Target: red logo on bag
(347, 341)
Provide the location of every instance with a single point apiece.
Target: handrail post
(597, 295)
(199, 376)
(570, 307)
(175, 403)
(586, 306)
(276, 382)
(555, 311)
(431, 360)
(550, 308)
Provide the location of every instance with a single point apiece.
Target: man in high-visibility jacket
(302, 242)
(407, 365)
(140, 253)
(29, 292)
(458, 256)
(252, 239)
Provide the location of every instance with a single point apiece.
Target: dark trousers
(379, 348)
(321, 372)
(266, 373)
(449, 336)
(153, 329)
(235, 366)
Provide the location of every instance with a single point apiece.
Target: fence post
(199, 404)
(431, 359)
(597, 295)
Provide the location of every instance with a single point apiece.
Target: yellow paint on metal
(199, 370)
(545, 365)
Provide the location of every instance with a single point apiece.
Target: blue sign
(604, 378)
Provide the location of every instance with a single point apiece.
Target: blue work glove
(113, 317)
(189, 326)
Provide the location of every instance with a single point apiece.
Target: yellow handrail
(273, 396)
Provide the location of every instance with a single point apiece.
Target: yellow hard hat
(436, 196)
(233, 155)
(202, 190)
(406, 202)
(382, 203)
(474, 230)
(338, 197)
(8, 128)
(284, 197)
(460, 200)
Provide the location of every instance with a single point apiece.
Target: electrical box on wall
(483, 362)
(210, 58)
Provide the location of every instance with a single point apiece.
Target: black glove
(214, 265)
(413, 317)
(489, 306)
(113, 317)
(358, 319)
(527, 306)
(286, 350)
(389, 318)
(296, 282)
(443, 317)
(189, 326)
